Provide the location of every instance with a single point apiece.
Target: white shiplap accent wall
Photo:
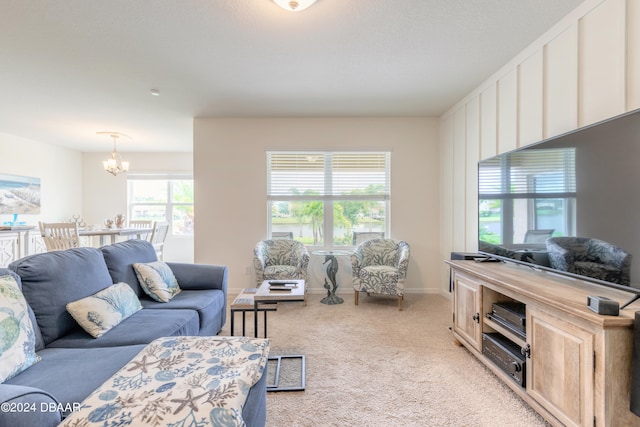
(601, 72)
(583, 70)
(530, 97)
(561, 83)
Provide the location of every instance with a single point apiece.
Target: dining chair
(361, 236)
(538, 236)
(158, 237)
(142, 223)
(60, 235)
(279, 235)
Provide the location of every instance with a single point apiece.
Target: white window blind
(540, 172)
(321, 198)
(328, 175)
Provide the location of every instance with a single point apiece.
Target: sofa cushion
(71, 374)
(100, 312)
(120, 257)
(157, 280)
(209, 304)
(51, 280)
(17, 336)
(139, 328)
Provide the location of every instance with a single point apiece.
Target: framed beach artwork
(19, 194)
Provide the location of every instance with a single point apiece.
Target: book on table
(282, 285)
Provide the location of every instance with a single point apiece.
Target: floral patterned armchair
(380, 267)
(280, 259)
(590, 257)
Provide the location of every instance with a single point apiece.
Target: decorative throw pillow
(100, 312)
(157, 280)
(17, 336)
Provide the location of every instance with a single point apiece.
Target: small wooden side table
(245, 302)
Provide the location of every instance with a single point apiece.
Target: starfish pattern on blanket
(175, 381)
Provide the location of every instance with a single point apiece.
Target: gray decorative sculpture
(332, 270)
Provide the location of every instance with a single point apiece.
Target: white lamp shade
(294, 5)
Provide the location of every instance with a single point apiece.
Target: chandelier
(294, 5)
(115, 164)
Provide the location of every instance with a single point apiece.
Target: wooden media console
(577, 362)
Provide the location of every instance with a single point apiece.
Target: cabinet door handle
(476, 317)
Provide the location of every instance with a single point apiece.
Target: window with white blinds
(524, 191)
(324, 197)
(544, 172)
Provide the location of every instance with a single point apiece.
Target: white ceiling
(71, 68)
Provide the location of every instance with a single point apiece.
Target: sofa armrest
(22, 406)
(200, 276)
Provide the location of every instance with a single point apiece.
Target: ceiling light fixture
(115, 164)
(294, 5)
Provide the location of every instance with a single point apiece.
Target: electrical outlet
(247, 270)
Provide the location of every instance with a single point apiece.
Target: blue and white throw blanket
(179, 381)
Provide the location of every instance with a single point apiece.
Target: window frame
(169, 205)
(514, 178)
(327, 197)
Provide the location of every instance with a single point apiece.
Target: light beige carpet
(372, 365)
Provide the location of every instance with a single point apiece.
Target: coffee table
(265, 295)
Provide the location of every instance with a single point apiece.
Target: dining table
(110, 235)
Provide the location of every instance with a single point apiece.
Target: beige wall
(105, 195)
(58, 170)
(583, 70)
(230, 174)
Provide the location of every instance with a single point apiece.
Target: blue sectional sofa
(74, 363)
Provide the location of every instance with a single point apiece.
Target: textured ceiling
(71, 68)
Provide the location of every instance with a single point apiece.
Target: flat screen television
(586, 184)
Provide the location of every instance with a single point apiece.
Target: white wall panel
(459, 165)
(471, 170)
(508, 112)
(489, 122)
(602, 62)
(530, 99)
(446, 195)
(561, 83)
(633, 54)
